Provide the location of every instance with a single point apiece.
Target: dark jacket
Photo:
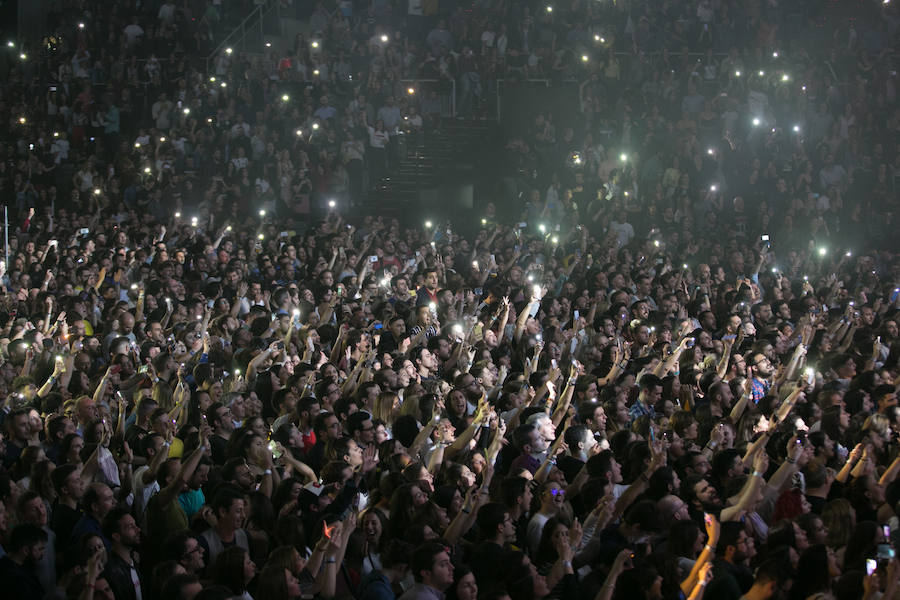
(118, 574)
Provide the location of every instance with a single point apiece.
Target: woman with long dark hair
(234, 569)
(815, 571)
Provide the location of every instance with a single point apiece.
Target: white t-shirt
(142, 493)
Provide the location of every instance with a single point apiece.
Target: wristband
(703, 583)
(566, 563)
(757, 474)
(793, 461)
(267, 472)
(330, 561)
(710, 548)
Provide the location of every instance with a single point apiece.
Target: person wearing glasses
(763, 369)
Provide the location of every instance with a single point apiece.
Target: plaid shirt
(638, 410)
(758, 389)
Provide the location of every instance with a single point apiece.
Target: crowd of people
(663, 363)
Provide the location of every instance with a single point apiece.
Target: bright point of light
(623, 157)
(542, 228)
(549, 9)
(410, 91)
(262, 213)
(756, 122)
(384, 38)
(81, 26)
(537, 291)
(223, 84)
(785, 77)
(316, 72)
(177, 215)
(822, 251)
(96, 191)
(710, 151)
(554, 239)
(228, 50)
(299, 132)
(162, 139)
(484, 221)
(712, 188)
(774, 55)
(10, 44)
(737, 73)
(285, 98)
(762, 73)
(584, 58)
(332, 203)
(261, 236)
(268, 44)
(596, 38)
(22, 120)
(186, 111)
(428, 224)
(315, 44)
(146, 169)
(656, 243)
(23, 56)
(212, 79)
(315, 125)
(848, 254)
(796, 129)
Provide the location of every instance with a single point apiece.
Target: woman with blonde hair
(877, 431)
(387, 407)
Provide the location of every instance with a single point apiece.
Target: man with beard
(121, 571)
(720, 399)
(18, 576)
(731, 577)
(401, 297)
(701, 497)
(219, 418)
(763, 370)
(442, 350)
(184, 547)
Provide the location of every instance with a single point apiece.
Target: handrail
(260, 12)
(452, 83)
